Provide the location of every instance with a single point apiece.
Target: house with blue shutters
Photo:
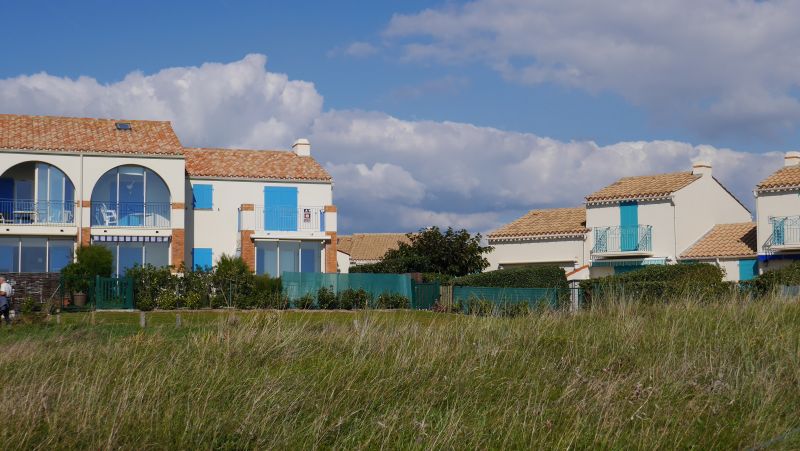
(654, 219)
(274, 208)
(778, 215)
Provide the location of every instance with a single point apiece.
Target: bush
(145, 303)
(233, 276)
(392, 301)
(354, 299)
(429, 277)
(539, 276)
(479, 307)
(91, 261)
(326, 299)
(150, 281)
(192, 300)
(661, 283)
(265, 283)
(766, 283)
(167, 300)
(306, 302)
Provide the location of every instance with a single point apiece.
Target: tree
(455, 253)
(91, 261)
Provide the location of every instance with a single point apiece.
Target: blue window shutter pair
(280, 208)
(748, 268)
(202, 258)
(203, 196)
(629, 226)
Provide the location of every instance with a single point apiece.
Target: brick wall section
(248, 207)
(330, 253)
(86, 203)
(249, 249)
(86, 236)
(178, 249)
(178, 205)
(330, 209)
(39, 286)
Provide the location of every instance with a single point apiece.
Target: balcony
(37, 213)
(288, 219)
(143, 215)
(785, 234)
(619, 241)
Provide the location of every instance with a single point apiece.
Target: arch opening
(36, 193)
(131, 196)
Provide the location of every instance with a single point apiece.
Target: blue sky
(506, 97)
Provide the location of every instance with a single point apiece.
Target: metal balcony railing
(785, 232)
(152, 215)
(289, 219)
(622, 239)
(31, 212)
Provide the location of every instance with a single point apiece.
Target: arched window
(131, 196)
(36, 193)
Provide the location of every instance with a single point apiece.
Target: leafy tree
(91, 261)
(454, 253)
(233, 277)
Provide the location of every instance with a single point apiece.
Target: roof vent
(123, 125)
(791, 159)
(302, 147)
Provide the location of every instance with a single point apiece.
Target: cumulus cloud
(390, 174)
(712, 66)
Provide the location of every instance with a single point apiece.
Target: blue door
(748, 268)
(280, 208)
(629, 226)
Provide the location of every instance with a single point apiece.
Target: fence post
(574, 296)
(178, 320)
(142, 320)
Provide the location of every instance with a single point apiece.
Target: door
(280, 208)
(629, 226)
(6, 199)
(748, 268)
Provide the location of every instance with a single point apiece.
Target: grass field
(707, 376)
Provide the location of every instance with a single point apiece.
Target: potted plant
(91, 261)
(76, 282)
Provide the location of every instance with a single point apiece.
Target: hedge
(661, 283)
(765, 283)
(539, 276)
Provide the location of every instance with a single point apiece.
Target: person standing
(5, 299)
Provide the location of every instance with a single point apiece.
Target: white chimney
(302, 147)
(701, 168)
(791, 158)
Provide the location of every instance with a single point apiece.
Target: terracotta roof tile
(725, 240)
(253, 164)
(72, 134)
(371, 246)
(643, 187)
(787, 177)
(344, 244)
(556, 221)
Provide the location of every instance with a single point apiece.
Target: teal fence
(113, 293)
(500, 296)
(298, 284)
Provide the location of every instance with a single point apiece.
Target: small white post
(142, 320)
(178, 320)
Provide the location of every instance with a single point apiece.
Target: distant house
(730, 246)
(364, 248)
(778, 215)
(554, 237)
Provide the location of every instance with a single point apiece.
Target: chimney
(791, 158)
(702, 168)
(302, 148)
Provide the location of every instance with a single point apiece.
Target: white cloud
(390, 174)
(713, 65)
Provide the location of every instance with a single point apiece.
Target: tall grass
(622, 375)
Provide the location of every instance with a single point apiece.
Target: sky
(463, 114)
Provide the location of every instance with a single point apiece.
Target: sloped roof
(370, 246)
(725, 240)
(643, 187)
(253, 164)
(73, 134)
(787, 177)
(556, 221)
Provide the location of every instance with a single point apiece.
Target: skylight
(123, 125)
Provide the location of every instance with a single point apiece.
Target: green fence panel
(534, 297)
(298, 284)
(113, 293)
(426, 295)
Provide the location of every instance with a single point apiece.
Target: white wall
(570, 252)
(700, 206)
(658, 214)
(783, 203)
(343, 262)
(218, 228)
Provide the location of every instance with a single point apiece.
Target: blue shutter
(748, 268)
(280, 208)
(202, 258)
(203, 196)
(629, 226)
(777, 231)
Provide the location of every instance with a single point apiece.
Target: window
(202, 258)
(203, 197)
(275, 257)
(9, 254)
(34, 254)
(131, 196)
(60, 255)
(126, 255)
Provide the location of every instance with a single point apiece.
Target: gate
(113, 293)
(425, 295)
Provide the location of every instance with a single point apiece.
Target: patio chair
(109, 216)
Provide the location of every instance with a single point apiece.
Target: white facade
(782, 205)
(568, 252)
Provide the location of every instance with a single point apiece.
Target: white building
(732, 247)
(132, 187)
(653, 219)
(366, 248)
(778, 215)
(556, 236)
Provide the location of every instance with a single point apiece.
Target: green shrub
(233, 276)
(91, 261)
(354, 299)
(479, 307)
(514, 309)
(145, 303)
(326, 299)
(265, 283)
(392, 301)
(660, 283)
(539, 276)
(192, 300)
(167, 300)
(29, 305)
(444, 279)
(306, 302)
(150, 281)
(766, 283)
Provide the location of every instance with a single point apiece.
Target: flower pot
(79, 299)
